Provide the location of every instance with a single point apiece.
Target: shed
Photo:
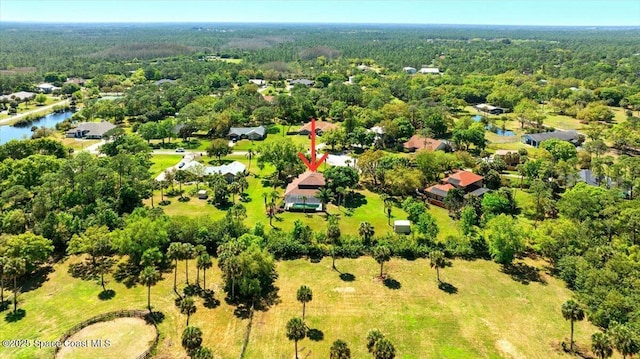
(402, 226)
(202, 194)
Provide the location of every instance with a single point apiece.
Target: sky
(473, 12)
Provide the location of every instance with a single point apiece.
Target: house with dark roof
(535, 139)
(302, 82)
(468, 182)
(301, 192)
(321, 127)
(251, 133)
(90, 130)
(417, 142)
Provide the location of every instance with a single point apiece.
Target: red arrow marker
(314, 164)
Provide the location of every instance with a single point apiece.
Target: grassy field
(162, 162)
(486, 313)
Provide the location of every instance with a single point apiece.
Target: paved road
(21, 115)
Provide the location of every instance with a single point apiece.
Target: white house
(429, 70)
(409, 70)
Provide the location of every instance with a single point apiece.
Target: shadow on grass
(315, 335)
(392, 283)
(448, 288)
(13, 317)
(127, 274)
(347, 277)
(107, 294)
(355, 200)
(523, 273)
(37, 279)
(242, 311)
(154, 317)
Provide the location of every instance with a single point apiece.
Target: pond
(8, 133)
(497, 131)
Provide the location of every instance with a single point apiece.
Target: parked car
(181, 165)
(180, 150)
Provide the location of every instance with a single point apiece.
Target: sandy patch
(121, 338)
(505, 347)
(344, 289)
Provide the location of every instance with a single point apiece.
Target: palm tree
(191, 339)
(14, 268)
(366, 231)
(188, 252)
(339, 350)
(3, 263)
(204, 263)
(187, 307)
(381, 254)
(601, 345)
(571, 311)
(384, 349)
(175, 253)
(296, 330)
(304, 204)
(324, 195)
(199, 249)
(373, 337)
(437, 261)
(624, 339)
(202, 353)
(304, 296)
(149, 276)
(249, 155)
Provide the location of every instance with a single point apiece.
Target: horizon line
(30, 22)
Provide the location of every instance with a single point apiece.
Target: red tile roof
(310, 182)
(463, 178)
(320, 125)
(416, 142)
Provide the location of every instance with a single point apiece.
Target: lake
(8, 133)
(496, 130)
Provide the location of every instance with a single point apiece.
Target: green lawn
(162, 162)
(490, 315)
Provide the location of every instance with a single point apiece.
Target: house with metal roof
(228, 171)
(251, 133)
(493, 110)
(535, 139)
(429, 70)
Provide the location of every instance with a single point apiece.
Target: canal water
(8, 133)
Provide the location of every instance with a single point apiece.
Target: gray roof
(93, 128)
(22, 95)
(164, 81)
(478, 192)
(302, 81)
(561, 135)
(246, 131)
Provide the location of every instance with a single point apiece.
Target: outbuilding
(402, 226)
